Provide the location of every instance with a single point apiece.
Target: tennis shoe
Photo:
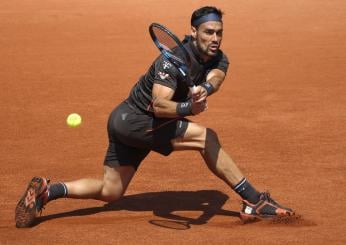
(32, 202)
(265, 208)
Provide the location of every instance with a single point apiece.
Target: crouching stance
(153, 118)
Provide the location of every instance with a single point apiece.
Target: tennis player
(153, 118)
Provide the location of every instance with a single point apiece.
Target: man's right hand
(198, 106)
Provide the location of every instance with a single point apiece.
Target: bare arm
(215, 77)
(164, 106)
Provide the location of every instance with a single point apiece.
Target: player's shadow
(163, 204)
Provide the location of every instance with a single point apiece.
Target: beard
(208, 51)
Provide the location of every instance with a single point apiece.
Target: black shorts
(133, 133)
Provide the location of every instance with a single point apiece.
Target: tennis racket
(173, 50)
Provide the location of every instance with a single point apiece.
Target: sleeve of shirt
(165, 73)
(222, 64)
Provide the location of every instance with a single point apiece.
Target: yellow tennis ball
(74, 120)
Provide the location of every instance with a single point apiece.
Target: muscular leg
(111, 188)
(255, 204)
(206, 142)
(219, 162)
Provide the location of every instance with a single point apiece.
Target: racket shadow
(162, 204)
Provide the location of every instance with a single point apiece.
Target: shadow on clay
(163, 205)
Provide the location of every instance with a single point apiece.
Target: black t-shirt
(164, 73)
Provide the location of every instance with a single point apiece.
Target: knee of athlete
(211, 138)
(112, 192)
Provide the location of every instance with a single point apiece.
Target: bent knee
(211, 135)
(115, 182)
(112, 192)
(211, 138)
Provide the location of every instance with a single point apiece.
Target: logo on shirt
(163, 75)
(166, 65)
(123, 116)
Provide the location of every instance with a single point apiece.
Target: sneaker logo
(248, 210)
(30, 198)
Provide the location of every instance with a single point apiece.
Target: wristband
(208, 87)
(184, 109)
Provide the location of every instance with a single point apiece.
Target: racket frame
(176, 61)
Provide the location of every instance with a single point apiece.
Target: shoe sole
(247, 218)
(25, 212)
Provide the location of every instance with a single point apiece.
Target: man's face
(208, 38)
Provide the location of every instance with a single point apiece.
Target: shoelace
(270, 200)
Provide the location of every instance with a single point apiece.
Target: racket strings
(165, 40)
(169, 45)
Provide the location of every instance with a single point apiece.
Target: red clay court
(281, 114)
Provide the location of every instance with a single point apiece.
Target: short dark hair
(198, 13)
